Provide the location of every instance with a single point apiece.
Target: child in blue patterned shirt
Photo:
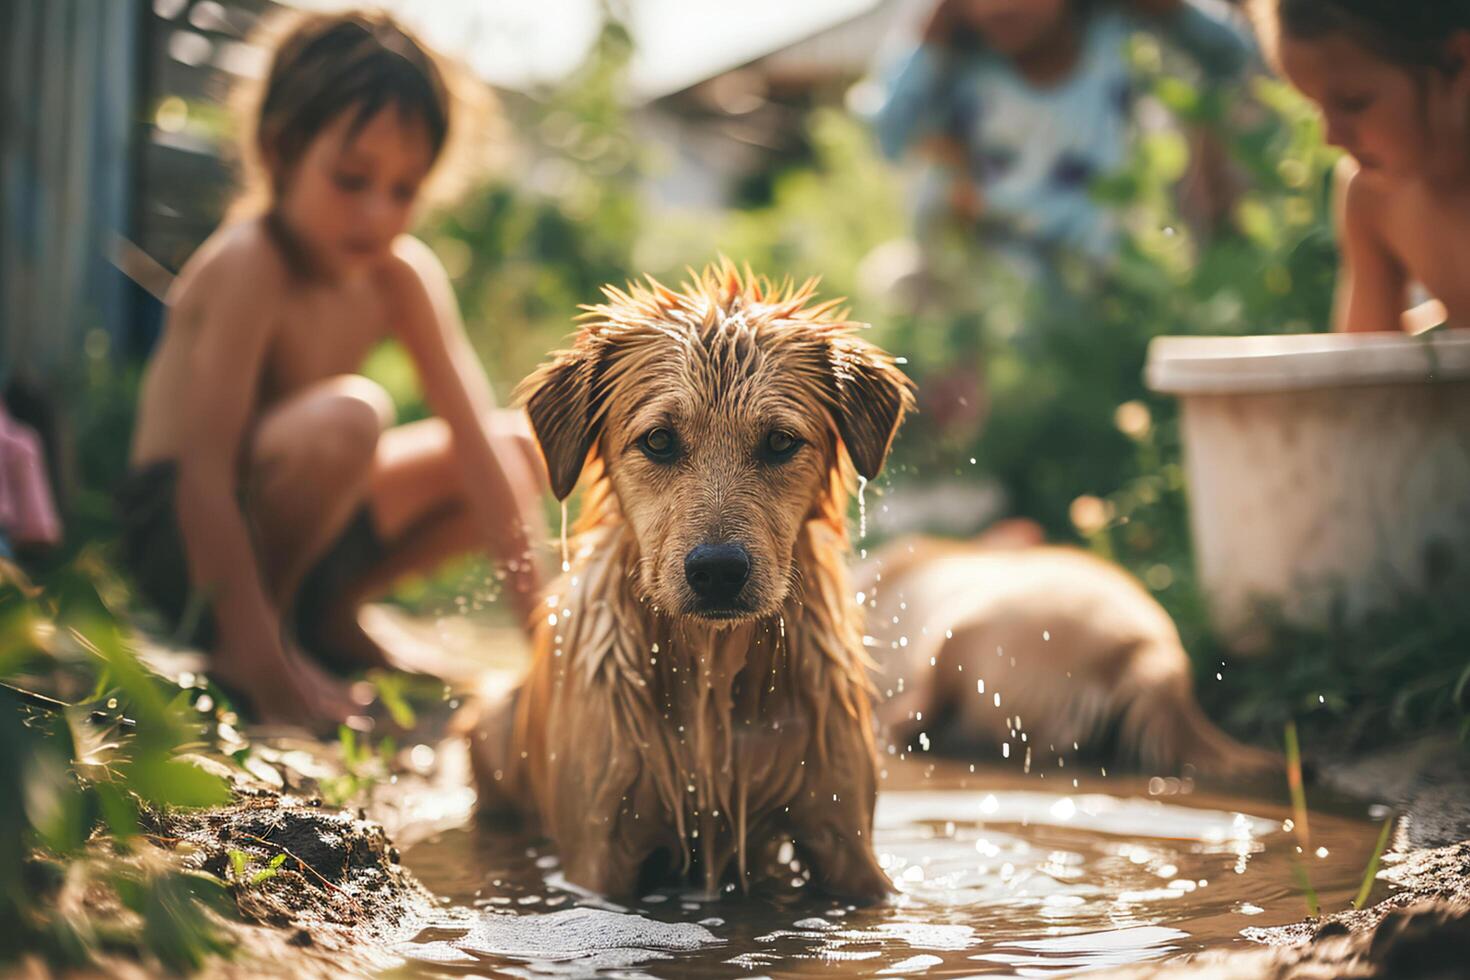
(1024, 102)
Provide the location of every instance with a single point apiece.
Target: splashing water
(566, 561)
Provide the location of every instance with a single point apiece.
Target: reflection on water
(991, 877)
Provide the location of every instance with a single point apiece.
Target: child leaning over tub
(1392, 79)
(1025, 102)
(268, 485)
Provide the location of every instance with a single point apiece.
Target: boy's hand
(283, 687)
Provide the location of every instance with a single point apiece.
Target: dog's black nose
(717, 572)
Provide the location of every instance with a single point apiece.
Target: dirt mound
(319, 878)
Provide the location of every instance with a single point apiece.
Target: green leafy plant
(393, 692)
(363, 767)
(91, 762)
(243, 873)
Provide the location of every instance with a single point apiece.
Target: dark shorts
(152, 546)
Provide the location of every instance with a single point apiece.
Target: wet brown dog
(698, 684)
(977, 642)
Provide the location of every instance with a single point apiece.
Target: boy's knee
(355, 413)
(363, 404)
(340, 435)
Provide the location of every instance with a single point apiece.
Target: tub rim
(1295, 362)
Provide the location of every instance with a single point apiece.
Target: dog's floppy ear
(872, 397)
(558, 399)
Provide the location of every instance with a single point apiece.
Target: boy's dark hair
(1406, 32)
(327, 64)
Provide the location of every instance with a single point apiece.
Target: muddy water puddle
(994, 874)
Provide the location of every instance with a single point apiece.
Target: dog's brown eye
(658, 444)
(781, 445)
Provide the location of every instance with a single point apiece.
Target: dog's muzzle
(717, 573)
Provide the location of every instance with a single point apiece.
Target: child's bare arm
(428, 322)
(227, 312)
(1372, 287)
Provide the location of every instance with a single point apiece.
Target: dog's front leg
(832, 819)
(609, 868)
(605, 849)
(606, 820)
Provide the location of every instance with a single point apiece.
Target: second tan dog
(979, 642)
(698, 684)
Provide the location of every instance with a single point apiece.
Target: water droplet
(566, 563)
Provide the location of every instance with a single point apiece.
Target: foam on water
(594, 940)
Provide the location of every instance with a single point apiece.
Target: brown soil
(338, 900)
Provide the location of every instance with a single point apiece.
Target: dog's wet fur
(698, 688)
(1074, 647)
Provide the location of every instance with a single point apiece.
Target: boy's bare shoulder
(413, 279)
(238, 263)
(412, 264)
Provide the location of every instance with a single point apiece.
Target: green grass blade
(1305, 884)
(1299, 818)
(1294, 783)
(1372, 870)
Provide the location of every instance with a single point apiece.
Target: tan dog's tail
(1164, 727)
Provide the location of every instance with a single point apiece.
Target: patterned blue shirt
(1034, 152)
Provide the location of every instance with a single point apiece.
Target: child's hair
(327, 64)
(1410, 33)
(956, 35)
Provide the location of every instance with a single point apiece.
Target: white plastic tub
(1326, 471)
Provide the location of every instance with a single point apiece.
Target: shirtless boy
(268, 482)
